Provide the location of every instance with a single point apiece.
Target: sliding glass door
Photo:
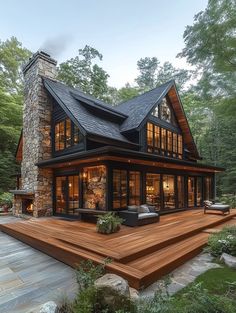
(169, 191)
(153, 189)
(199, 191)
(181, 192)
(191, 191)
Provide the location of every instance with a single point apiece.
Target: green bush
(109, 223)
(224, 241)
(229, 199)
(6, 199)
(87, 272)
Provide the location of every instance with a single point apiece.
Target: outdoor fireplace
(27, 206)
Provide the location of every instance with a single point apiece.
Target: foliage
(89, 298)
(228, 199)
(126, 93)
(224, 241)
(12, 56)
(152, 74)
(109, 223)
(87, 272)
(6, 199)
(211, 41)
(81, 72)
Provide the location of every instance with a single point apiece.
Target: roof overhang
(126, 156)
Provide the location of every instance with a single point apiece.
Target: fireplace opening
(27, 206)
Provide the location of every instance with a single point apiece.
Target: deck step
(162, 262)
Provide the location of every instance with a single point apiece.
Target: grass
(216, 281)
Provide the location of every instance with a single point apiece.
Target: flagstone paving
(28, 277)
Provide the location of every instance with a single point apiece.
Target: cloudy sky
(122, 30)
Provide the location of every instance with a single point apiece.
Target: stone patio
(29, 278)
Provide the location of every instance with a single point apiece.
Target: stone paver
(183, 275)
(28, 277)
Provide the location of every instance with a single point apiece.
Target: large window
(67, 194)
(164, 142)
(119, 189)
(191, 192)
(153, 189)
(169, 191)
(66, 135)
(181, 193)
(94, 187)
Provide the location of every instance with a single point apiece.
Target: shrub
(109, 223)
(229, 199)
(6, 200)
(87, 272)
(224, 241)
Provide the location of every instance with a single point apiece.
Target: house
(79, 152)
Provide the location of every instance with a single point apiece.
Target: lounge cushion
(143, 209)
(133, 208)
(142, 216)
(219, 206)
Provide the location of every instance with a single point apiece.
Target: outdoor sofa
(220, 207)
(139, 215)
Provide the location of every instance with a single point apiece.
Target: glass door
(191, 192)
(199, 191)
(181, 192)
(67, 194)
(153, 189)
(168, 183)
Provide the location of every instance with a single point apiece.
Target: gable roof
(139, 107)
(76, 104)
(98, 118)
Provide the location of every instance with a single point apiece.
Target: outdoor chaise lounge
(223, 208)
(139, 215)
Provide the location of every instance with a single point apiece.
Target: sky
(123, 31)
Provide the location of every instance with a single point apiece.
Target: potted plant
(108, 223)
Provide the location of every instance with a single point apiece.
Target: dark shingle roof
(89, 122)
(139, 107)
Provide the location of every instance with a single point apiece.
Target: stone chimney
(37, 133)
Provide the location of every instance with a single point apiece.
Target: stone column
(37, 132)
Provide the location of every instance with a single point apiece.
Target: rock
(115, 283)
(228, 260)
(48, 307)
(134, 294)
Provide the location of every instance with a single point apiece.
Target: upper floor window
(164, 142)
(164, 112)
(66, 135)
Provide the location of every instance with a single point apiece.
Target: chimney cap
(40, 54)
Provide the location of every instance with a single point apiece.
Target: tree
(147, 77)
(210, 42)
(152, 74)
(126, 93)
(12, 56)
(81, 72)
(210, 45)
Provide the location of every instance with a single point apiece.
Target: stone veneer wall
(37, 134)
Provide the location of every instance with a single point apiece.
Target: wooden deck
(141, 254)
